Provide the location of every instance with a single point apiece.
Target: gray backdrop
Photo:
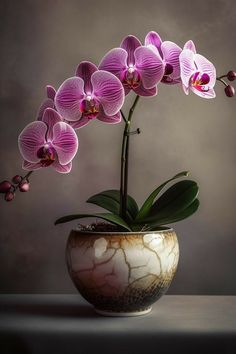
(42, 42)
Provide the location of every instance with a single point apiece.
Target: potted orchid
(123, 264)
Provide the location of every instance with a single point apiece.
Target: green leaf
(110, 200)
(145, 209)
(191, 209)
(114, 219)
(177, 198)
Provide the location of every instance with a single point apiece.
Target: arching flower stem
(221, 80)
(125, 160)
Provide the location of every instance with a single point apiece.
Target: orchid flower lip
(131, 78)
(90, 107)
(47, 155)
(199, 81)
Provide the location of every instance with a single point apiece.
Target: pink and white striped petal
(115, 119)
(149, 65)
(141, 91)
(32, 137)
(191, 46)
(171, 53)
(50, 118)
(68, 98)
(153, 38)
(47, 103)
(108, 90)
(85, 70)
(204, 94)
(187, 66)
(79, 123)
(115, 61)
(29, 166)
(51, 92)
(65, 142)
(130, 44)
(62, 168)
(185, 89)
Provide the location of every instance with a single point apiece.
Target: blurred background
(41, 42)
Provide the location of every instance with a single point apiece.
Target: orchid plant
(98, 92)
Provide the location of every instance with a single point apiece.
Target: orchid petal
(129, 44)
(115, 61)
(204, 94)
(65, 142)
(185, 89)
(187, 66)
(149, 65)
(48, 103)
(68, 97)
(51, 117)
(154, 39)
(31, 139)
(191, 46)
(167, 80)
(141, 91)
(171, 53)
(85, 71)
(79, 123)
(51, 92)
(62, 168)
(109, 119)
(31, 166)
(108, 90)
(205, 66)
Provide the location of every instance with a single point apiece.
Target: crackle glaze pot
(122, 273)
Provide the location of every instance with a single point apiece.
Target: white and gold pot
(122, 273)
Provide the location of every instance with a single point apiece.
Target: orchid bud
(9, 196)
(17, 179)
(5, 186)
(231, 76)
(24, 186)
(229, 91)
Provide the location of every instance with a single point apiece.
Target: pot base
(123, 314)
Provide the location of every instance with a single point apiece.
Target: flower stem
(125, 162)
(221, 77)
(123, 116)
(221, 80)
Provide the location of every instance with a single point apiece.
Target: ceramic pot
(122, 273)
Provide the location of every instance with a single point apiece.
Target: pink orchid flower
(169, 52)
(198, 74)
(48, 142)
(91, 94)
(138, 67)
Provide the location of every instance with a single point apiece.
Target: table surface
(67, 324)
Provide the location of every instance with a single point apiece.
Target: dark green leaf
(145, 209)
(114, 219)
(177, 198)
(191, 209)
(110, 200)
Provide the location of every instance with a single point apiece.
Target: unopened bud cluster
(9, 188)
(229, 89)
